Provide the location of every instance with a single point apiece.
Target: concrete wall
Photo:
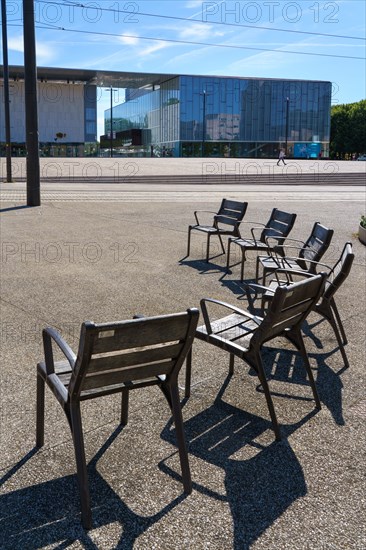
(60, 109)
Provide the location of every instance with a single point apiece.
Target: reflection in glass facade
(228, 117)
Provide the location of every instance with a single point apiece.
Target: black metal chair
(225, 222)
(243, 334)
(326, 306)
(278, 228)
(308, 253)
(116, 357)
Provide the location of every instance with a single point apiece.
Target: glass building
(223, 117)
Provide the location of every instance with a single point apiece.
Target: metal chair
(116, 357)
(308, 253)
(225, 222)
(242, 334)
(278, 228)
(326, 306)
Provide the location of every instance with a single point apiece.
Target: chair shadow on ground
(204, 268)
(259, 489)
(49, 513)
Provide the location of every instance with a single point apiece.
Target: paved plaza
(102, 251)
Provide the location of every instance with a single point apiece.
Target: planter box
(362, 234)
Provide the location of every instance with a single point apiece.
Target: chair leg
(189, 240)
(178, 421)
(124, 406)
(40, 412)
(338, 331)
(187, 391)
(222, 244)
(339, 321)
(231, 364)
(208, 247)
(82, 475)
(258, 366)
(242, 263)
(298, 341)
(228, 254)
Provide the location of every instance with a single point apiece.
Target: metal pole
(204, 122)
(6, 92)
(287, 114)
(111, 122)
(31, 111)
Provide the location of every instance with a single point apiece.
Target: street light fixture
(111, 89)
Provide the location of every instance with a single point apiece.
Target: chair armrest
(235, 309)
(202, 211)
(49, 334)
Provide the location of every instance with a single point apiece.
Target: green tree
(348, 129)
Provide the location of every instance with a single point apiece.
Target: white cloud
(129, 40)
(199, 31)
(44, 51)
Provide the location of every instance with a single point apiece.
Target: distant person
(281, 156)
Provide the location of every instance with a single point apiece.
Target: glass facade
(229, 117)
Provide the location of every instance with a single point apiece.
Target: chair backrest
(230, 213)
(279, 225)
(339, 273)
(289, 307)
(316, 245)
(111, 354)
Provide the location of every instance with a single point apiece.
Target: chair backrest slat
(140, 348)
(279, 225)
(112, 377)
(231, 212)
(135, 357)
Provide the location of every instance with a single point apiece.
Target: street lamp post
(204, 122)
(6, 92)
(111, 89)
(31, 111)
(287, 116)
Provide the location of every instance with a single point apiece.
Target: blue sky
(119, 35)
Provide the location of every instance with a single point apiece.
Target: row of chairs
(150, 351)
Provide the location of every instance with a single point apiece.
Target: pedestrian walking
(281, 156)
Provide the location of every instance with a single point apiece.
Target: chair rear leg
(242, 263)
(262, 378)
(231, 364)
(228, 255)
(187, 390)
(298, 341)
(208, 247)
(82, 475)
(335, 311)
(341, 340)
(40, 412)
(179, 429)
(124, 406)
(222, 244)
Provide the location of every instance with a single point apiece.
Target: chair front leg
(179, 429)
(40, 412)
(243, 258)
(82, 475)
(228, 254)
(189, 240)
(208, 247)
